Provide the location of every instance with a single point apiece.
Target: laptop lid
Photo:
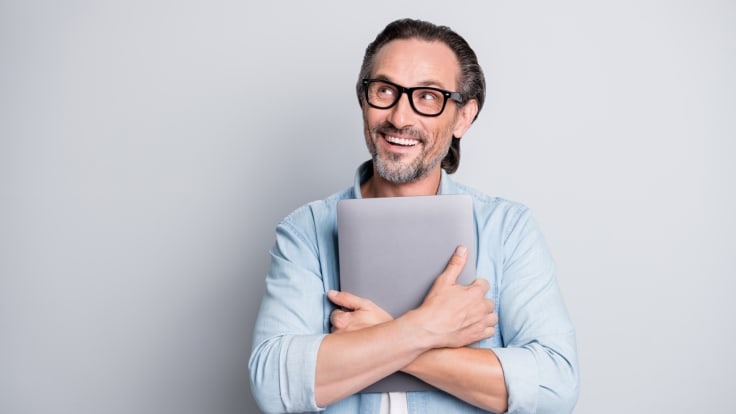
(392, 249)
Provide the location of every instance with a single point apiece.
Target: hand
(456, 315)
(361, 313)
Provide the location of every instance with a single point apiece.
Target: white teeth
(402, 141)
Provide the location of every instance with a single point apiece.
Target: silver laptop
(392, 249)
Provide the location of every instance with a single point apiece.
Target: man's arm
(538, 356)
(473, 375)
(539, 371)
(470, 374)
(536, 369)
(355, 356)
(291, 320)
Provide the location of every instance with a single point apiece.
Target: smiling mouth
(404, 142)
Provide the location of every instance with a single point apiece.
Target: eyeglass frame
(455, 96)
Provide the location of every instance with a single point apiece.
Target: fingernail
(461, 251)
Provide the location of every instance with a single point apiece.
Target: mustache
(386, 128)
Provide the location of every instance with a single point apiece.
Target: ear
(465, 118)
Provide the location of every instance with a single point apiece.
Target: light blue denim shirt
(535, 339)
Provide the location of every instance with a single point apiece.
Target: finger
(490, 306)
(493, 320)
(336, 318)
(346, 300)
(454, 266)
(489, 332)
(481, 284)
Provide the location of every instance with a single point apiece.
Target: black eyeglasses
(424, 100)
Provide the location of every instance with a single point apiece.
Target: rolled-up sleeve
(538, 356)
(289, 327)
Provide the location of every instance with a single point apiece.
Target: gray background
(148, 149)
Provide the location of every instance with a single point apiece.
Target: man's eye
(385, 91)
(428, 96)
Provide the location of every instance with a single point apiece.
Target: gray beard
(392, 170)
(390, 167)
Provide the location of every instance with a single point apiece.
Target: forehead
(414, 62)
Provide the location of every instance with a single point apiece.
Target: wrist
(414, 325)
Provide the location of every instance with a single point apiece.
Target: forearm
(367, 345)
(350, 361)
(471, 374)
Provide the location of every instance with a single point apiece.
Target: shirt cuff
(300, 356)
(521, 376)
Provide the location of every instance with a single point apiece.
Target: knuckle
(455, 265)
(456, 260)
(338, 318)
(478, 287)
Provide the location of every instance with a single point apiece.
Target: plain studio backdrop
(149, 148)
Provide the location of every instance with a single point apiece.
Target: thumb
(454, 267)
(345, 299)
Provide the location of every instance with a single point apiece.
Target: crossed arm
(289, 371)
(366, 344)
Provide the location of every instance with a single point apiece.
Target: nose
(402, 115)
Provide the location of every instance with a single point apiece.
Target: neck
(377, 186)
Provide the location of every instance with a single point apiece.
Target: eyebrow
(430, 82)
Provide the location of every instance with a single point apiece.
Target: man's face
(406, 146)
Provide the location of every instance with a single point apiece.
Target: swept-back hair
(472, 84)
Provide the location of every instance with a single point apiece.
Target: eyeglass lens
(425, 101)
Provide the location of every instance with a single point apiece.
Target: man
(420, 88)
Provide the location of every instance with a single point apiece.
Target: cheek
(449, 127)
(442, 132)
(372, 118)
